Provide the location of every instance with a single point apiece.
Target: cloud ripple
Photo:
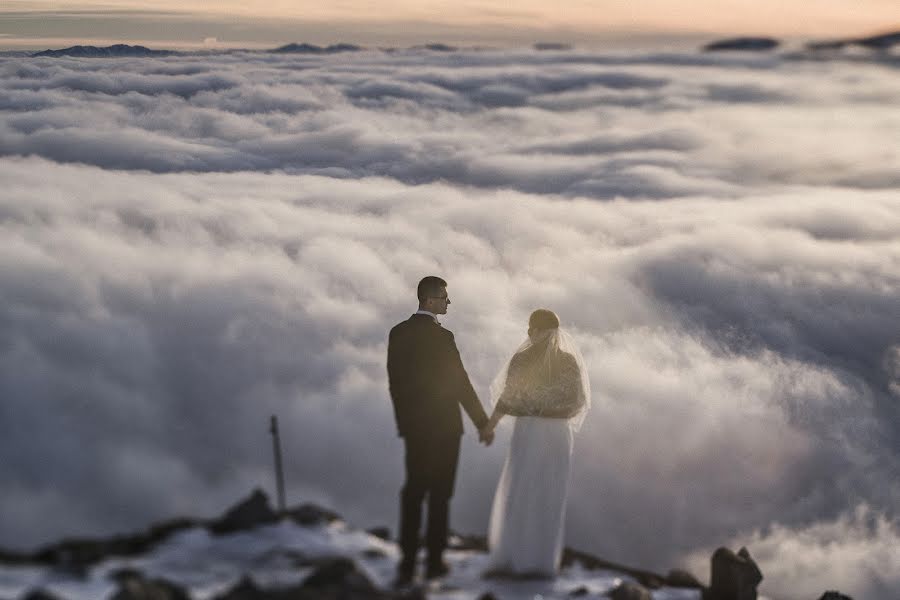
(193, 243)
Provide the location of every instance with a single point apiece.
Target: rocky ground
(308, 552)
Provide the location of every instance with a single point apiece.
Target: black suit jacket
(428, 381)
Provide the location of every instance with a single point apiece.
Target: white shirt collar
(430, 314)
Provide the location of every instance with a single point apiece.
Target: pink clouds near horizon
(402, 21)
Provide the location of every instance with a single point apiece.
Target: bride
(545, 387)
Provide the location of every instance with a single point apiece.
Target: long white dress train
(528, 515)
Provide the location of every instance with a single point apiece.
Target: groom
(428, 382)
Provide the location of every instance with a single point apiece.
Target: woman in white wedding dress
(545, 387)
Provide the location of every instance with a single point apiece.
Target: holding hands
(486, 434)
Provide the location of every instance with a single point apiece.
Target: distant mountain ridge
(881, 43)
(304, 48)
(884, 41)
(755, 44)
(105, 51)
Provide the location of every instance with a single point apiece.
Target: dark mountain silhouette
(436, 48)
(304, 48)
(551, 46)
(755, 44)
(104, 52)
(883, 42)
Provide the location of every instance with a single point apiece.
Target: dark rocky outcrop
(247, 514)
(338, 579)
(76, 555)
(754, 44)
(647, 579)
(116, 50)
(630, 591)
(339, 572)
(311, 514)
(733, 576)
(39, 594)
(382, 533)
(834, 595)
(245, 589)
(682, 579)
(134, 586)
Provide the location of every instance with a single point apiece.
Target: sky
(169, 23)
(193, 243)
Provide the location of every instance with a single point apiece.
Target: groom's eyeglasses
(447, 298)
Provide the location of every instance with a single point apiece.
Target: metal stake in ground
(279, 473)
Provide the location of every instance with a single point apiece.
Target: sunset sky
(31, 23)
(192, 242)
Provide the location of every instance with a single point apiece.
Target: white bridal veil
(546, 377)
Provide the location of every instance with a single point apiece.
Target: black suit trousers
(430, 475)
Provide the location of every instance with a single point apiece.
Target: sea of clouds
(191, 244)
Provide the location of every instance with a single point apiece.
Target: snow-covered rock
(314, 557)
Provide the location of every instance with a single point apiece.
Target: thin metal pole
(279, 473)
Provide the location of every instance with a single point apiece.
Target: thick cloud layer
(562, 123)
(196, 243)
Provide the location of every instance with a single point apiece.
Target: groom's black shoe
(436, 569)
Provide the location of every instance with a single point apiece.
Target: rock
(755, 44)
(645, 578)
(75, 556)
(630, 591)
(245, 589)
(477, 543)
(247, 514)
(124, 574)
(310, 514)
(162, 530)
(682, 579)
(734, 576)
(134, 586)
(14, 558)
(833, 595)
(380, 532)
(339, 572)
(39, 594)
(579, 591)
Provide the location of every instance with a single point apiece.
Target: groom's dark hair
(430, 287)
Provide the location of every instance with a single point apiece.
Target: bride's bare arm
(496, 416)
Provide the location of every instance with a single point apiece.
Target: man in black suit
(428, 383)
